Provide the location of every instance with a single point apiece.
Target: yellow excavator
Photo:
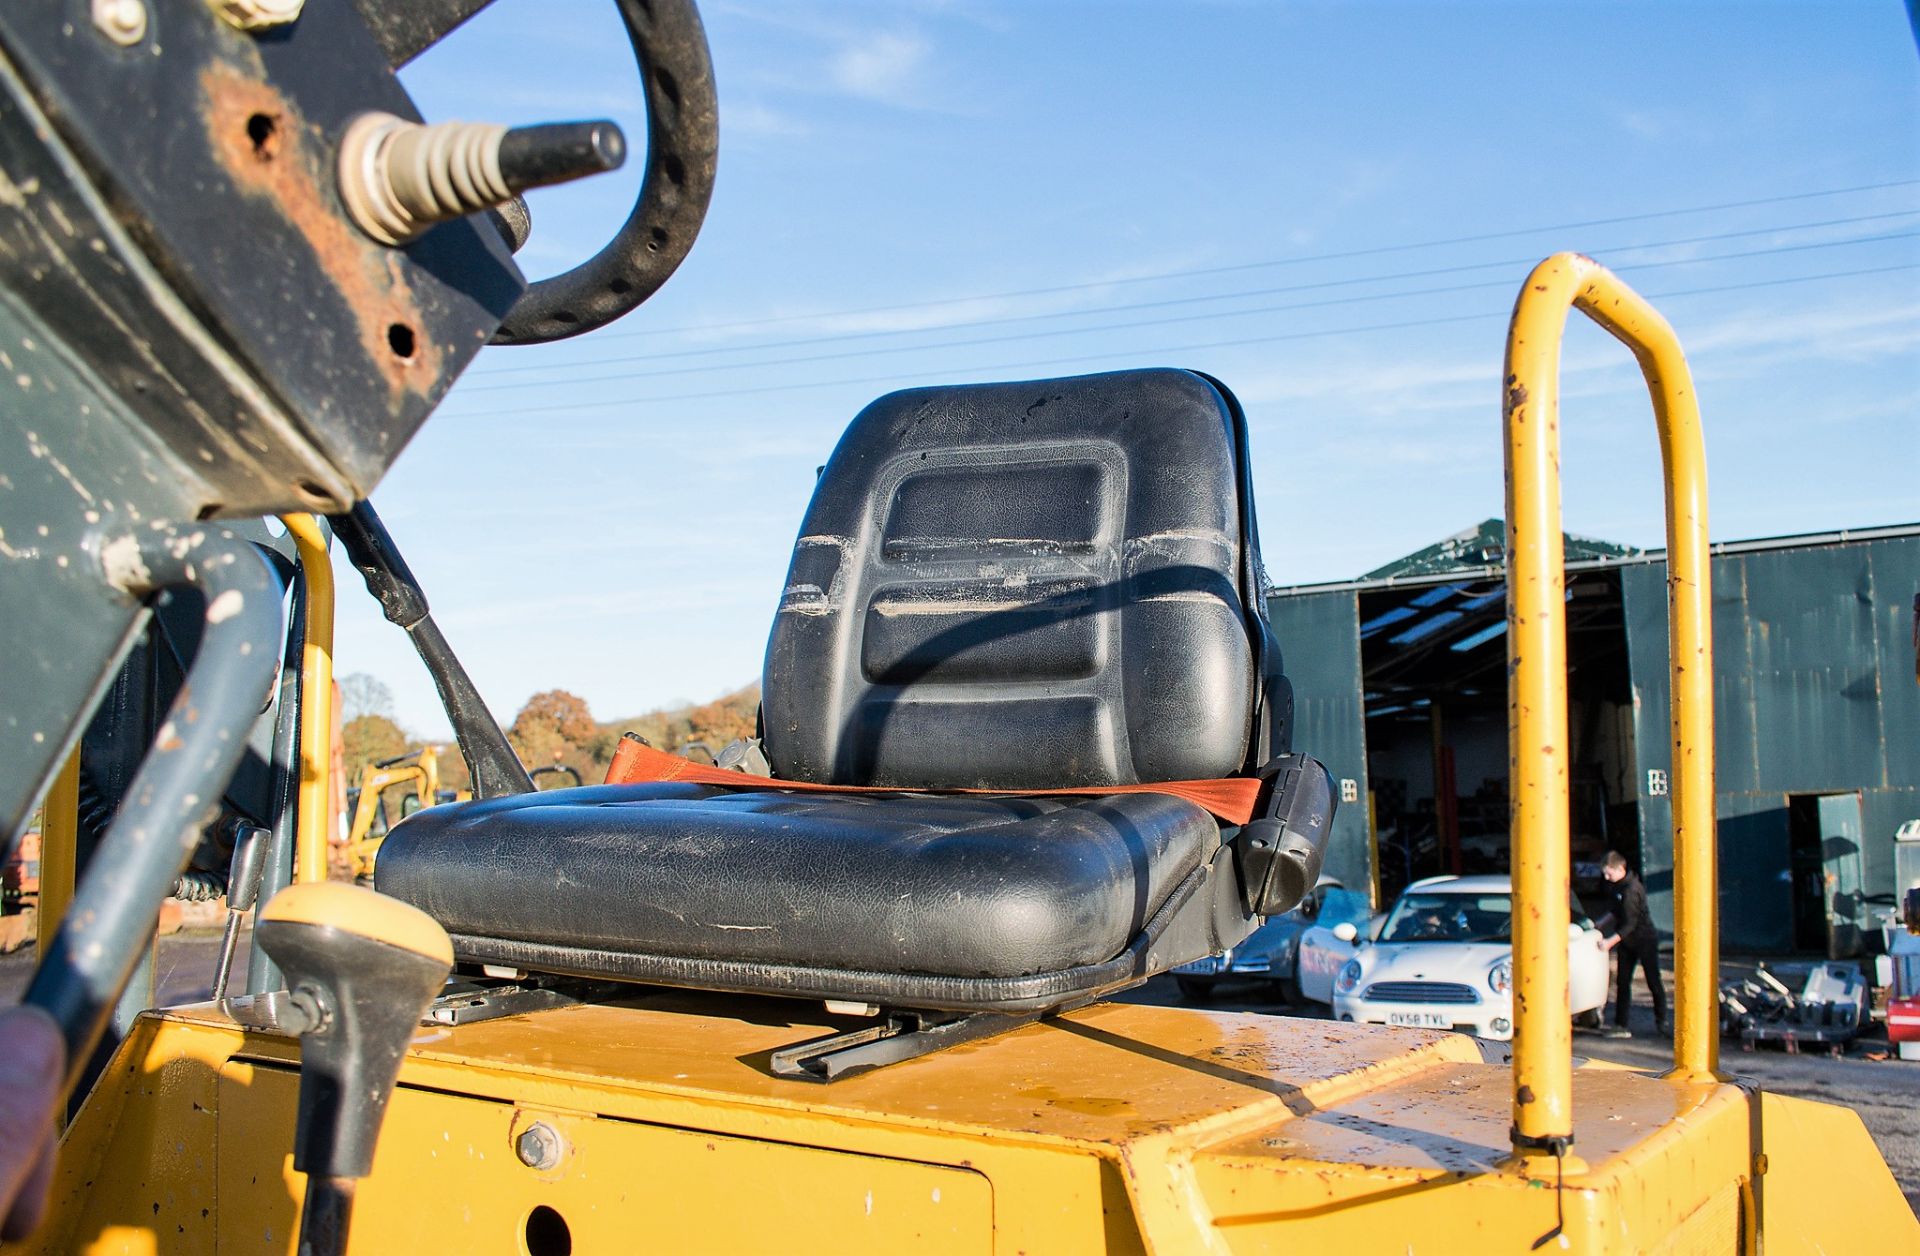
(1026, 742)
(417, 775)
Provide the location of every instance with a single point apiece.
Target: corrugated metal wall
(1814, 693)
(1320, 646)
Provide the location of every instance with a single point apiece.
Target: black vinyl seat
(798, 893)
(996, 587)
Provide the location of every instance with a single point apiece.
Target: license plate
(1419, 1020)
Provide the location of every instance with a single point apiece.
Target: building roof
(1457, 557)
(1484, 545)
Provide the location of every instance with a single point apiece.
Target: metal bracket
(467, 1001)
(895, 1036)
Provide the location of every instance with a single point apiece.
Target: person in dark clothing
(1629, 934)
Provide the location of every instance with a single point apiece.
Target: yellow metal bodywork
(1117, 1128)
(1537, 693)
(1114, 1128)
(316, 700)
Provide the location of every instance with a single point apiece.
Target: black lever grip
(1280, 853)
(497, 772)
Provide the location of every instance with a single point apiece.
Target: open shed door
(1842, 835)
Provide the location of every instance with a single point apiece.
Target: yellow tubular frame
(316, 699)
(59, 843)
(1537, 699)
(59, 853)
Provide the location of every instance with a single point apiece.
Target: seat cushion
(964, 887)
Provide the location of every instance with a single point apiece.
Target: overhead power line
(808, 359)
(1304, 259)
(1318, 333)
(652, 355)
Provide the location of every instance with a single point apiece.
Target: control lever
(496, 771)
(398, 178)
(243, 888)
(361, 969)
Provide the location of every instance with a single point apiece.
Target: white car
(1443, 959)
(1327, 946)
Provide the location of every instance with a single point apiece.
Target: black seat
(999, 587)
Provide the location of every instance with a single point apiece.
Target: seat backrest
(1028, 585)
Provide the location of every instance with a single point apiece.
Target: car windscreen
(1458, 917)
(1427, 917)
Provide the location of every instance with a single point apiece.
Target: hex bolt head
(122, 21)
(540, 1146)
(258, 15)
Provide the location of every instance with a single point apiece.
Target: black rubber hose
(683, 143)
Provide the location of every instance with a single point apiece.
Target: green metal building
(1400, 687)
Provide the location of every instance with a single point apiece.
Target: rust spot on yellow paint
(271, 152)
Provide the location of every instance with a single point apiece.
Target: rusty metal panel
(1814, 693)
(1810, 627)
(1319, 636)
(1894, 565)
(1643, 599)
(1736, 767)
(1752, 826)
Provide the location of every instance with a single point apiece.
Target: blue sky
(1261, 191)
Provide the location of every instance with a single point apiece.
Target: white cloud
(753, 120)
(884, 67)
(1841, 331)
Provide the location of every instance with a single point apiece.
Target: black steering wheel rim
(683, 135)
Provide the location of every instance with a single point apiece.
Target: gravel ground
(1885, 1093)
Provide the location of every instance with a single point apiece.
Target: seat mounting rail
(895, 1036)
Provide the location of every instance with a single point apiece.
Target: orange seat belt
(1231, 799)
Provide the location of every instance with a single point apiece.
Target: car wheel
(1589, 1019)
(1289, 991)
(1194, 990)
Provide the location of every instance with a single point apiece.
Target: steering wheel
(683, 136)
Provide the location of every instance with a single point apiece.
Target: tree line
(554, 728)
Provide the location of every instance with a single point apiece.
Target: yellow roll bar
(59, 843)
(316, 700)
(1537, 697)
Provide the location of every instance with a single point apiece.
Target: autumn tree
(725, 719)
(368, 739)
(556, 712)
(556, 727)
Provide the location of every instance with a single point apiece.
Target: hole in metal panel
(262, 133)
(547, 1233)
